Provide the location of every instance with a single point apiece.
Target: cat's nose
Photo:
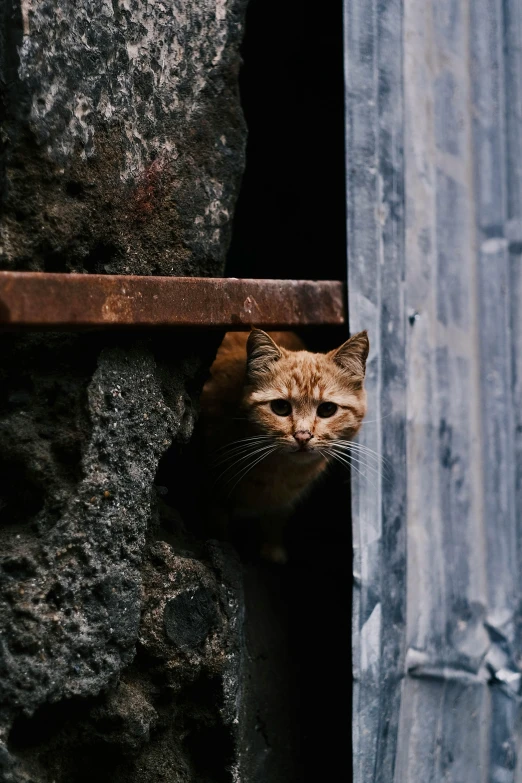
(303, 436)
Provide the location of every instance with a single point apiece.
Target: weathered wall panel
(512, 60)
(375, 279)
(362, 193)
(459, 651)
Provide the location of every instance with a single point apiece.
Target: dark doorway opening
(290, 223)
(290, 216)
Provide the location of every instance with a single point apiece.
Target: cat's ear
(352, 354)
(261, 352)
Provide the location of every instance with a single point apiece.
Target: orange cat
(273, 414)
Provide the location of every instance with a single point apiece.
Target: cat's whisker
(360, 462)
(244, 457)
(374, 421)
(370, 455)
(361, 457)
(242, 441)
(246, 444)
(361, 447)
(352, 461)
(228, 457)
(365, 451)
(324, 454)
(239, 474)
(372, 460)
(235, 452)
(375, 459)
(348, 463)
(244, 471)
(330, 459)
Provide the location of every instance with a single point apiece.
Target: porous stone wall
(122, 140)
(122, 148)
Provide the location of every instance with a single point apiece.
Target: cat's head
(305, 401)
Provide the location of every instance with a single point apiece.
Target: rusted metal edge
(38, 300)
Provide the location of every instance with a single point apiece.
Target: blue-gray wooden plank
(513, 125)
(487, 31)
(433, 709)
(375, 274)
(459, 710)
(393, 375)
(363, 279)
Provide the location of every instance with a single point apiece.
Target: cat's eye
(281, 407)
(326, 409)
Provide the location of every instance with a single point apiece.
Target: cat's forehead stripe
(306, 379)
(298, 388)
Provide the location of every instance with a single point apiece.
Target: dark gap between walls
(290, 219)
(290, 223)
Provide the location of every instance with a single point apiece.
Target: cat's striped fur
(263, 461)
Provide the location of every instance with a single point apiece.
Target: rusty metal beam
(37, 300)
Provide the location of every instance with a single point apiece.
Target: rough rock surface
(121, 149)
(122, 140)
(103, 593)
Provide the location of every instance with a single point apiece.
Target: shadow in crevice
(297, 628)
(290, 218)
(58, 741)
(290, 222)
(296, 654)
(110, 740)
